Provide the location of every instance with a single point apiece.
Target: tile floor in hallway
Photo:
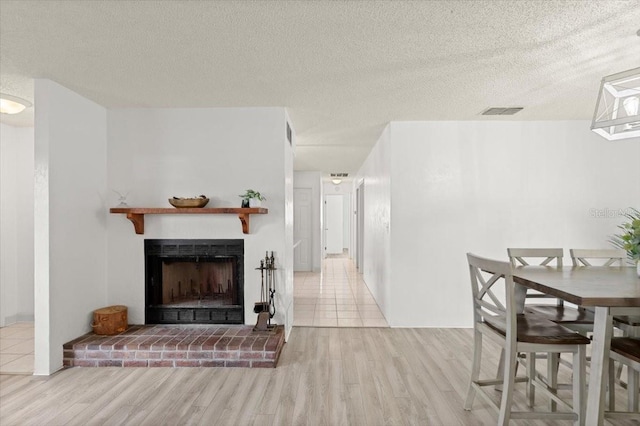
(16, 348)
(337, 297)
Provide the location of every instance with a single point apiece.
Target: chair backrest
(519, 256)
(603, 257)
(542, 257)
(489, 280)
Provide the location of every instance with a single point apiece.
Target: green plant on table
(629, 239)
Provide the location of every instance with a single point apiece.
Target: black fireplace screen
(194, 281)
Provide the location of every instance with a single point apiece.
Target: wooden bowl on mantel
(186, 203)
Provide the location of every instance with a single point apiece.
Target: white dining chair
(598, 257)
(628, 324)
(557, 312)
(607, 257)
(496, 318)
(625, 351)
(576, 318)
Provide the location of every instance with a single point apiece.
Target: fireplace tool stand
(266, 307)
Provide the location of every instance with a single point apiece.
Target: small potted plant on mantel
(630, 237)
(251, 198)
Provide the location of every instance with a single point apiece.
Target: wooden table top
(584, 285)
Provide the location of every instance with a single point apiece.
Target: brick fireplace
(194, 281)
(194, 314)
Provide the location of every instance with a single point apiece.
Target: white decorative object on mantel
(122, 198)
(617, 110)
(255, 202)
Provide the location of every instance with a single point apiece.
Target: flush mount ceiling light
(336, 178)
(616, 115)
(12, 104)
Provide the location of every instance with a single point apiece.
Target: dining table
(609, 291)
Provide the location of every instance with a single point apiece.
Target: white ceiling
(343, 69)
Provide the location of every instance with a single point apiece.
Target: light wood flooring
(326, 376)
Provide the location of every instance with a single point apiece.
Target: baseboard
(12, 319)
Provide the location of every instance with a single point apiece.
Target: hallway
(337, 297)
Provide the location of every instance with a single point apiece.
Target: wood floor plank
(335, 352)
(181, 403)
(262, 420)
(347, 349)
(337, 403)
(248, 409)
(370, 399)
(355, 405)
(390, 410)
(319, 410)
(286, 399)
(269, 400)
(216, 378)
(10, 384)
(222, 398)
(304, 393)
(114, 406)
(110, 399)
(66, 415)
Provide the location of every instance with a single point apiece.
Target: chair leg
(531, 374)
(552, 376)
(632, 389)
(500, 371)
(475, 369)
(579, 388)
(507, 385)
(612, 386)
(618, 377)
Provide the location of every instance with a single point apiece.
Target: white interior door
(333, 231)
(360, 227)
(302, 229)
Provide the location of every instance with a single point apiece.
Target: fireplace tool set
(266, 307)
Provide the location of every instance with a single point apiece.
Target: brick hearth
(178, 346)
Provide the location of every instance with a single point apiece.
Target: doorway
(359, 226)
(334, 224)
(302, 229)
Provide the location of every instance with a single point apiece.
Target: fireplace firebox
(194, 281)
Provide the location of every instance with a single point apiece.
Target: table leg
(602, 330)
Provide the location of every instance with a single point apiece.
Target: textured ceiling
(343, 69)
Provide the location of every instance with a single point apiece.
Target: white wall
(284, 295)
(70, 214)
(16, 224)
(312, 180)
(375, 175)
(485, 186)
(155, 154)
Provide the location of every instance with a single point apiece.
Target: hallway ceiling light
(12, 104)
(616, 115)
(336, 178)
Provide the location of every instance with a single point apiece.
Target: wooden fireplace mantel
(136, 214)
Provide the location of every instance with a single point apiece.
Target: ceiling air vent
(339, 175)
(501, 110)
